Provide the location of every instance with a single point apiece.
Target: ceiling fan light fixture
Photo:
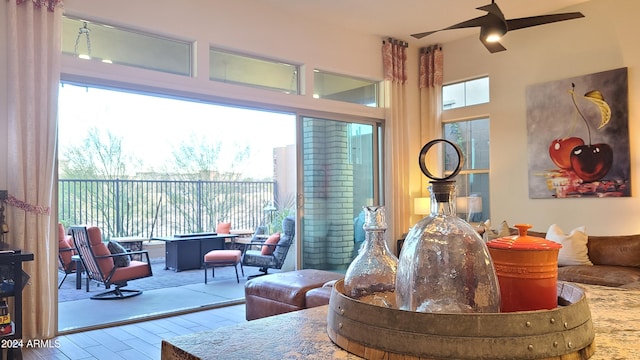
(493, 33)
(493, 37)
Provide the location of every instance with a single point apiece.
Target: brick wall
(328, 187)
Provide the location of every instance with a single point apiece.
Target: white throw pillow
(490, 234)
(574, 246)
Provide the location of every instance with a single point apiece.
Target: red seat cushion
(135, 270)
(61, 233)
(100, 249)
(223, 255)
(223, 228)
(272, 240)
(65, 243)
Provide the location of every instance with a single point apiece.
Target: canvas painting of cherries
(578, 137)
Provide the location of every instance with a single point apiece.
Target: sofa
(611, 260)
(288, 291)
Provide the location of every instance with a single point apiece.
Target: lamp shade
(462, 205)
(422, 206)
(474, 204)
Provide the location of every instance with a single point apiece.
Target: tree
(99, 157)
(197, 160)
(191, 187)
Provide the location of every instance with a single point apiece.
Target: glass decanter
(372, 274)
(444, 265)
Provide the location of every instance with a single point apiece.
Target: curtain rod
(396, 42)
(431, 47)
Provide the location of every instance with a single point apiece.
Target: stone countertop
(302, 334)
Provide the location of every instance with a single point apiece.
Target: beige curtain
(431, 68)
(33, 51)
(397, 152)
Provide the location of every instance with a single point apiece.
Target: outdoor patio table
(186, 251)
(79, 270)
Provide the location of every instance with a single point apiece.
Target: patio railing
(148, 208)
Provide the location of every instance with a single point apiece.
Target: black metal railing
(149, 208)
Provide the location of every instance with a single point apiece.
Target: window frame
(469, 113)
(111, 32)
(296, 72)
(345, 78)
(465, 84)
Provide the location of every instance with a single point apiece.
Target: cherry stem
(573, 98)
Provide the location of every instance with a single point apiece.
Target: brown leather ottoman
(318, 296)
(283, 292)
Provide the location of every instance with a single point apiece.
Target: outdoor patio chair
(65, 252)
(273, 251)
(107, 267)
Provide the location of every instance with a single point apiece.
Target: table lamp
(422, 206)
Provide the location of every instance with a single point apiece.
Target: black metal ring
(423, 154)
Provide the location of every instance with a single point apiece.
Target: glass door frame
(377, 160)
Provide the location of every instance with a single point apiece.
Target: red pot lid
(522, 241)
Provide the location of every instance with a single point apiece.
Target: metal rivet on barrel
(570, 345)
(340, 325)
(552, 320)
(555, 344)
(528, 323)
(566, 325)
(530, 347)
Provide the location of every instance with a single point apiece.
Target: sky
(152, 127)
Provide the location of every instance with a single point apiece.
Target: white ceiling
(401, 18)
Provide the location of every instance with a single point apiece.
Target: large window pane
(465, 93)
(344, 88)
(241, 69)
(125, 166)
(473, 139)
(109, 44)
(472, 136)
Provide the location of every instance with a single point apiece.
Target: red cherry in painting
(560, 151)
(592, 162)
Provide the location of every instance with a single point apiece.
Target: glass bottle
(372, 274)
(444, 265)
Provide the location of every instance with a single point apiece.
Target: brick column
(328, 187)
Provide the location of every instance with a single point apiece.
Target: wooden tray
(373, 332)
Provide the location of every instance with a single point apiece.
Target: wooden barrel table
(373, 332)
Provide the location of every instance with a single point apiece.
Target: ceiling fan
(493, 25)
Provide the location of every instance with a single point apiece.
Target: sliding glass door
(340, 175)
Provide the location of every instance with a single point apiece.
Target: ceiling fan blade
(421, 35)
(492, 9)
(479, 21)
(515, 24)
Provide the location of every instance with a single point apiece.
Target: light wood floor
(134, 341)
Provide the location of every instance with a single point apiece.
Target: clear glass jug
(444, 265)
(372, 274)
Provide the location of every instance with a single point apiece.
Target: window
(472, 135)
(344, 88)
(94, 41)
(236, 68)
(465, 93)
